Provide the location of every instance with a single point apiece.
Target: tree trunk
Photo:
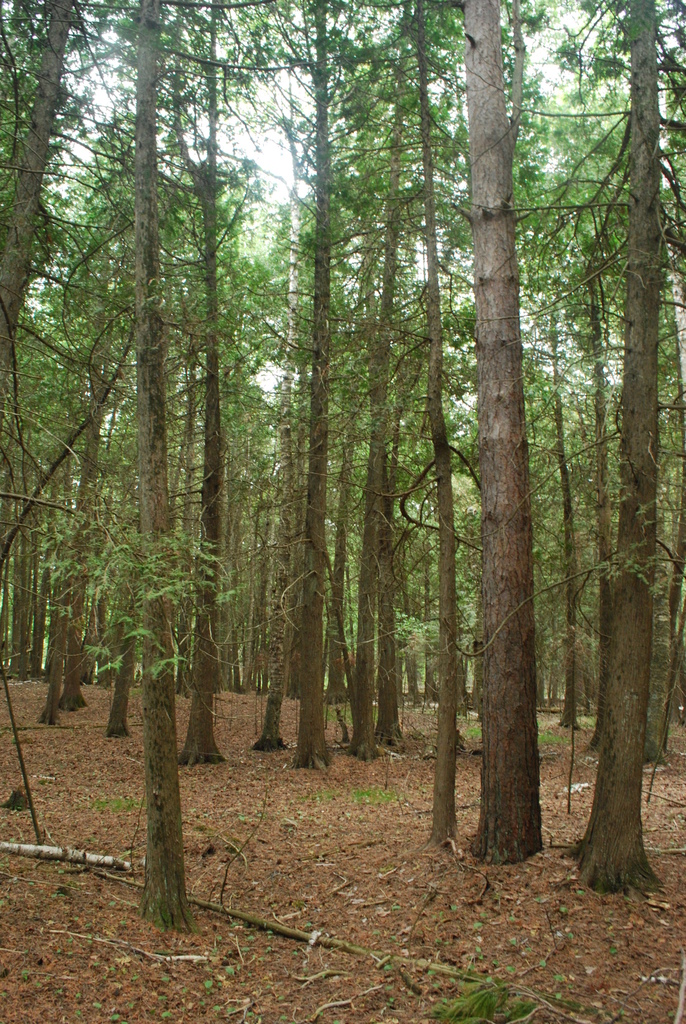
(390, 679)
(312, 752)
(200, 746)
(444, 778)
(16, 258)
(676, 620)
(164, 895)
(75, 659)
(604, 518)
(612, 852)
(60, 610)
(570, 564)
(510, 820)
(279, 653)
(336, 690)
(38, 642)
(117, 724)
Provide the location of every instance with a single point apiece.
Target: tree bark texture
(510, 820)
(612, 852)
(164, 896)
(311, 751)
(117, 723)
(16, 259)
(448, 670)
(200, 746)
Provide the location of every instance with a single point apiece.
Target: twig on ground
(682, 991)
(160, 957)
(316, 977)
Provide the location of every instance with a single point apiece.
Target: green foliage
(480, 1002)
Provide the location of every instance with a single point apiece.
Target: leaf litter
(339, 853)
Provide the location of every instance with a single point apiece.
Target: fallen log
(91, 860)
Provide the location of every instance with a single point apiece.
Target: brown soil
(339, 852)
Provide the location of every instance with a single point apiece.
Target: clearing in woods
(338, 852)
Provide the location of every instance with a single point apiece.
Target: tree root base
(268, 745)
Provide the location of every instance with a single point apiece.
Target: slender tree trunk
(336, 690)
(444, 778)
(75, 660)
(510, 821)
(312, 752)
(60, 610)
(676, 620)
(390, 679)
(612, 852)
(164, 896)
(16, 258)
(38, 642)
(604, 506)
(200, 746)
(279, 659)
(569, 710)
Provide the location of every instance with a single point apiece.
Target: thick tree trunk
(604, 506)
(570, 660)
(612, 852)
(448, 670)
(312, 752)
(16, 259)
(164, 896)
(200, 746)
(510, 821)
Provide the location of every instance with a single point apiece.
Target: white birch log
(93, 860)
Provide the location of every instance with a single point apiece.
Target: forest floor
(339, 852)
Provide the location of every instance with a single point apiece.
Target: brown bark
(312, 752)
(164, 895)
(200, 746)
(510, 820)
(448, 671)
(16, 259)
(612, 852)
(604, 507)
(117, 724)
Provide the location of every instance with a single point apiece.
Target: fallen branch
(93, 860)
(380, 958)
(194, 958)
